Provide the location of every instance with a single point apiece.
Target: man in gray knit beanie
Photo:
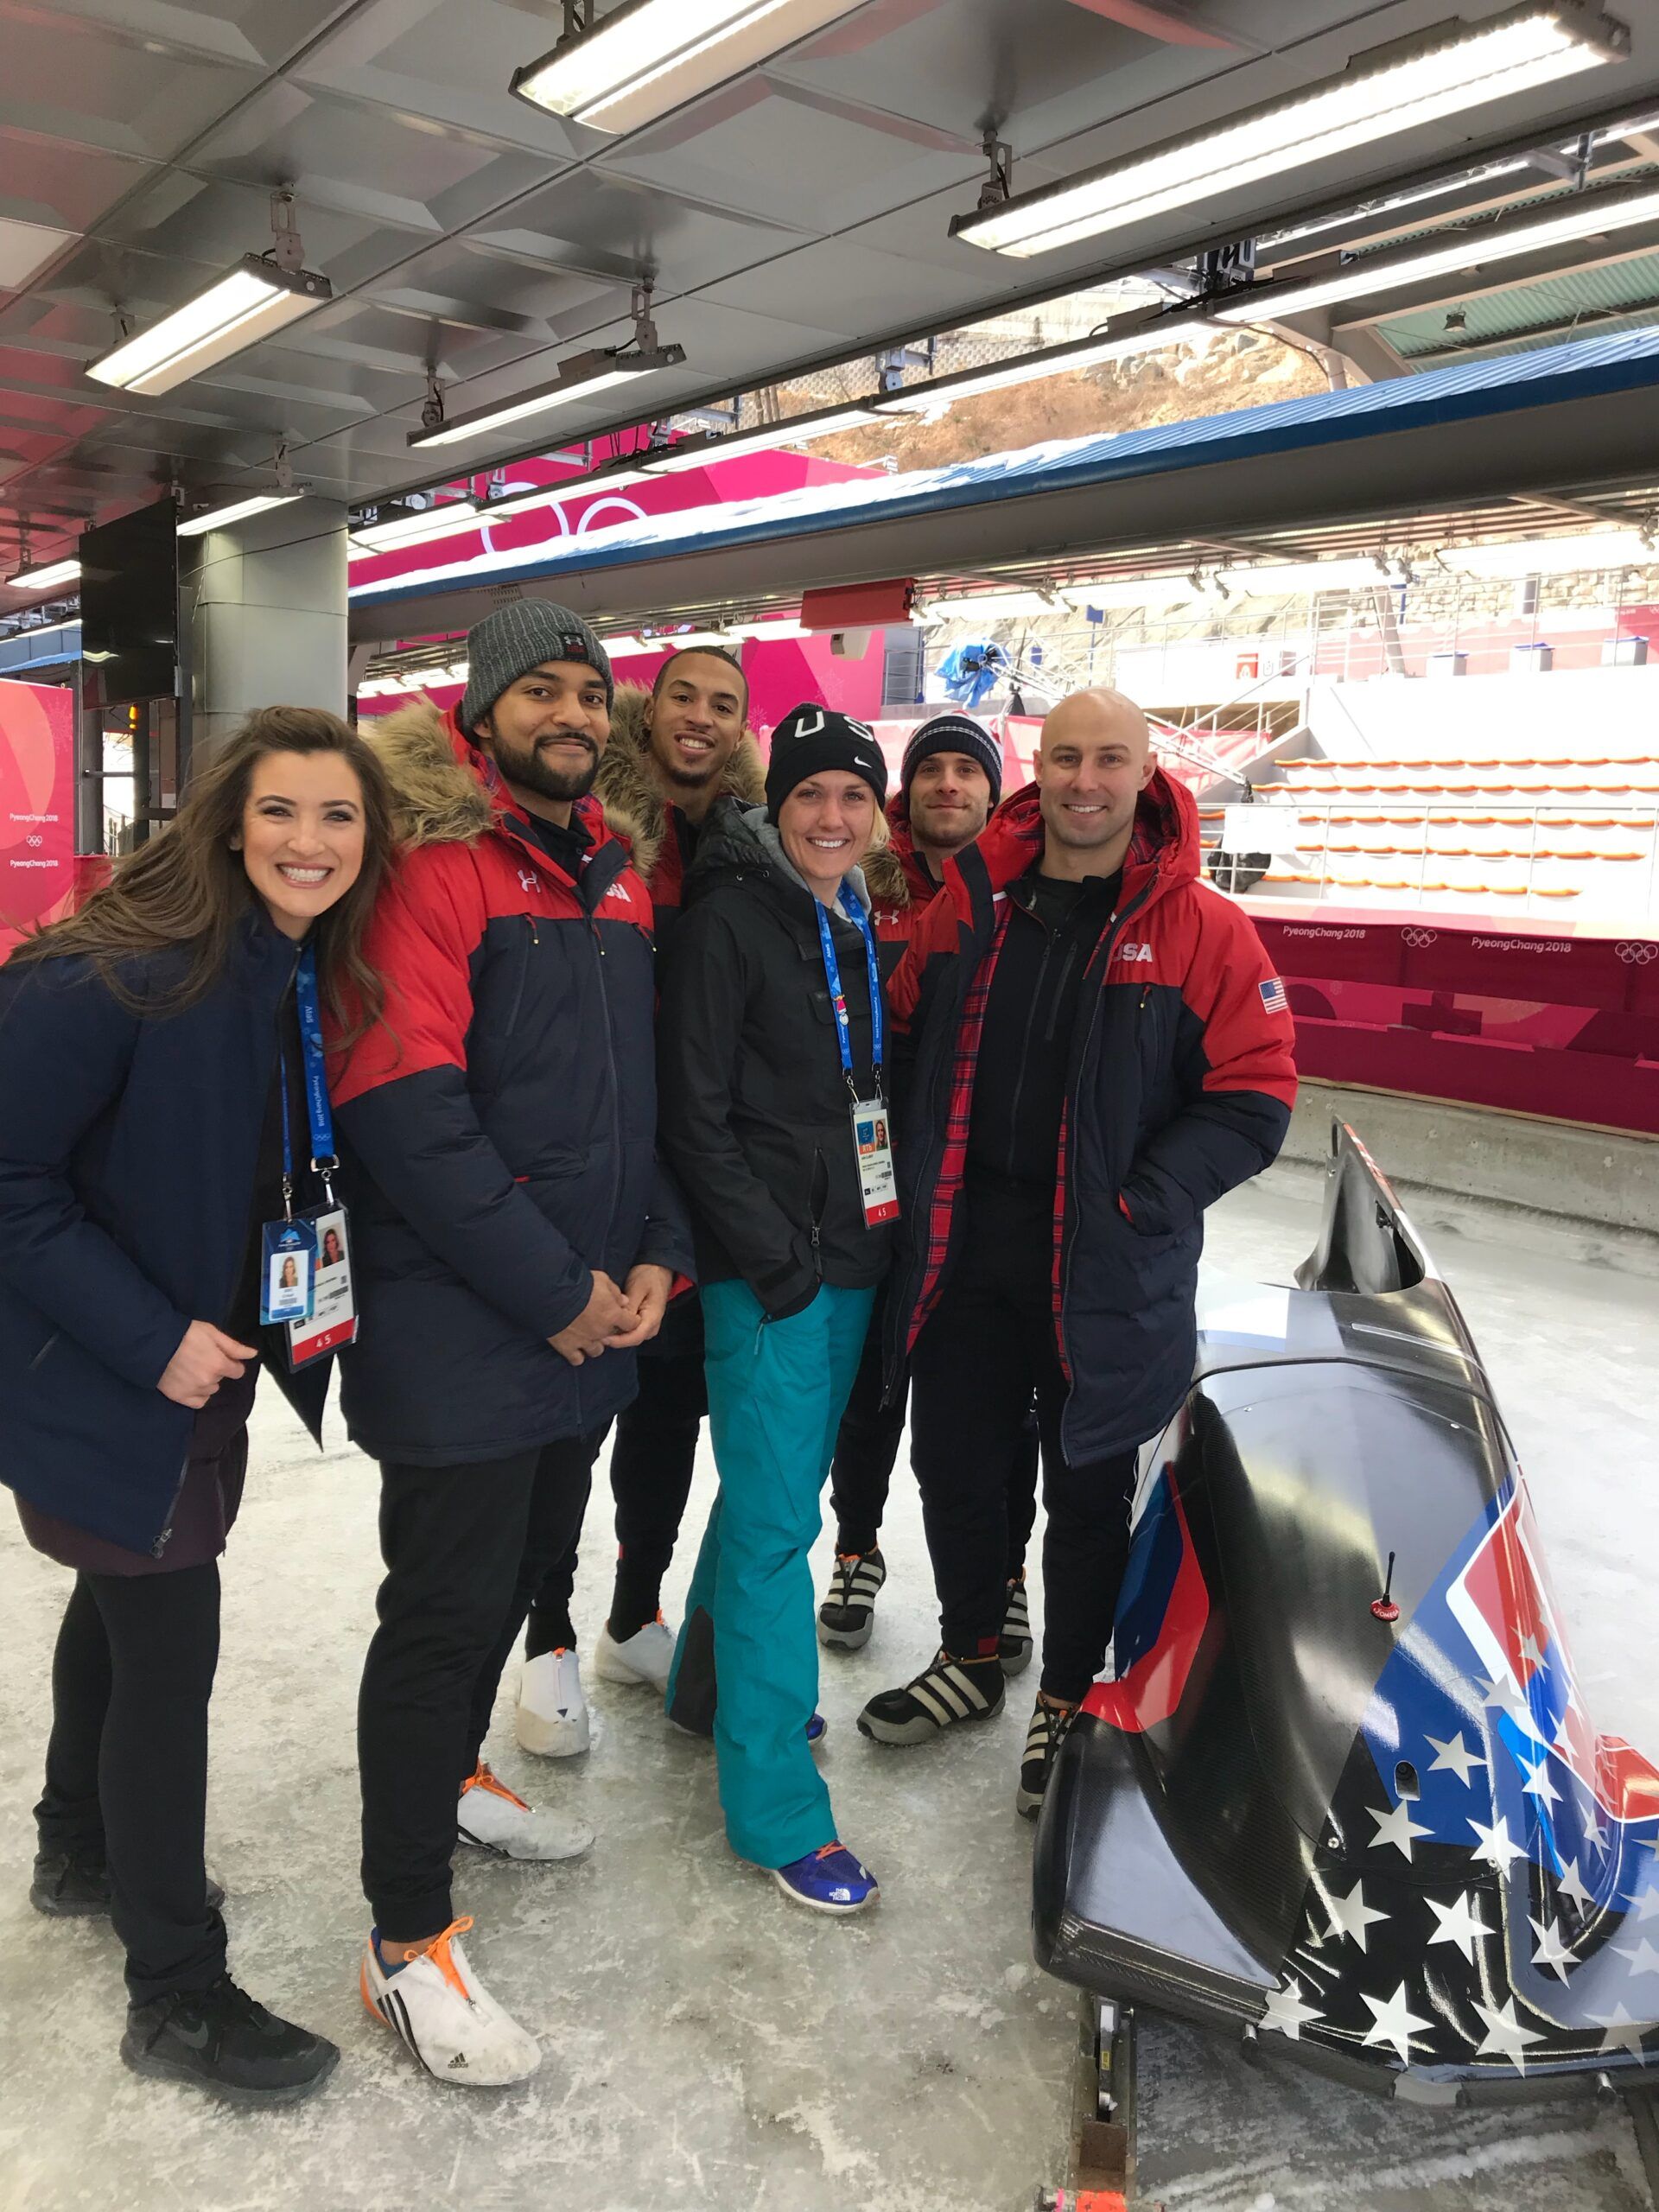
(537, 701)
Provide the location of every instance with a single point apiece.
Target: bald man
(1093, 1047)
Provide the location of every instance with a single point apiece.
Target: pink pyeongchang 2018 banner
(37, 806)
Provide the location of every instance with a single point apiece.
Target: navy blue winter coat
(128, 1152)
(499, 1133)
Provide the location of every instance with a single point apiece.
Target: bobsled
(1340, 1793)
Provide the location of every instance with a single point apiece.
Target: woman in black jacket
(161, 1095)
(771, 1046)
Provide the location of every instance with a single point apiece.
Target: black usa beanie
(811, 738)
(954, 733)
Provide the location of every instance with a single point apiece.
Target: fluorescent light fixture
(45, 579)
(782, 632)
(255, 299)
(625, 648)
(413, 529)
(649, 56)
(1586, 216)
(1281, 579)
(683, 641)
(1134, 591)
(1540, 557)
(1445, 74)
(1137, 334)
(766, 437)
(555, 495)
(992, 606)
(580, 377)
(257, 503)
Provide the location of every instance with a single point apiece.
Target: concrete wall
(1587, 1176)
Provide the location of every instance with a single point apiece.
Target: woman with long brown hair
(161, 1095)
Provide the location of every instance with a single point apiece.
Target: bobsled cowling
(1360, 1813)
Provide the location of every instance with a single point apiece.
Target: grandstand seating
(1576, 834)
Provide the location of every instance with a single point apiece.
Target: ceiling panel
(797, 215)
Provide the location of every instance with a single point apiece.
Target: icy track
(706, 2044)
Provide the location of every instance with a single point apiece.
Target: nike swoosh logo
(196, 2036)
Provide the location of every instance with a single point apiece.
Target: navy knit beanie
(953, 733)
(811, 738)
(508, 644)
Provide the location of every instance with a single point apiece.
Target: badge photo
(287, 1288)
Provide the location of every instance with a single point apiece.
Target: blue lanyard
(838, 997)
(318, 1111)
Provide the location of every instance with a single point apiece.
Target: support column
(263, 606)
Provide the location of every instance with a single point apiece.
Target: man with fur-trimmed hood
(676, 753)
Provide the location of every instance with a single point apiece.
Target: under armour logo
(1637, 955)
(528, 879)
(1419, 940)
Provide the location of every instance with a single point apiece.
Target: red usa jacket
(1183, 1080)
(498, 1130)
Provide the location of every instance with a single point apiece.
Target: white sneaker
(490, 1814)
(645, 1656)
(446, 2017)
(552, 1718)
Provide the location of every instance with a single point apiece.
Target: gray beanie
(508, 644)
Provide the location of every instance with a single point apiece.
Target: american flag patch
(1273, 996)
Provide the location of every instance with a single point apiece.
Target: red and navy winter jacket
(500, 1128)
(901, 890)
(1181, 1084)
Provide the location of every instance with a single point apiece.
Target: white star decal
(1646, 1905)
(1503, 1697)
(1455, 1757)
(1351, 1915)
(1554, 1953)
(1623, 2032)
(1496, 1846)
(1286, 2013)
(1395, 2022)
(1538, 1783)
(1461, 1924)
(1505, 2033)
(1595, 1835)
(1396, 1827)
(1530, 1650)
(1570, 1884)
(1644, 1958)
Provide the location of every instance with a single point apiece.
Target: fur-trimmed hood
(629, 791)
(436, 799)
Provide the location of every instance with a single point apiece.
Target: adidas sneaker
(948, 1692)
(551, 1718)
(847, 1616)
(491, 1814)
(1014, 1644)
(444, 2013)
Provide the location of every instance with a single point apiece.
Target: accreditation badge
(873, 1142)
(288, 1270)
(332, 1320)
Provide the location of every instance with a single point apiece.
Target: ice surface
(707, 2046)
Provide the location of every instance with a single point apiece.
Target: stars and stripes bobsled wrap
(1342, 1789)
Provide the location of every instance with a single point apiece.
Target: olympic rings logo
(1637, 955)
(1420, 940)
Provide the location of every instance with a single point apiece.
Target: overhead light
(1134, 591)
(1139, 332)
(413, 529)
(1283, 579)
(1537, 557)
(261, 293)
(625, 648)
(991, 606)
(259, 503)
(555, 495)
(766, 437)
(649, 56)
(774, 633)
(1444, 75)
(1586, 216)
(684, 641)
(25, 247)
(580, 377)
(45, 579)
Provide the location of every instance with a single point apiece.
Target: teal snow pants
(776, 1393)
